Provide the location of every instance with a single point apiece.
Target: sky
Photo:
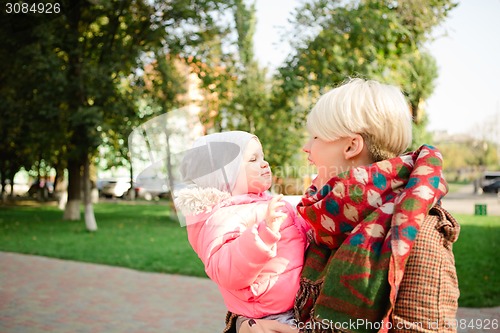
(467, 93)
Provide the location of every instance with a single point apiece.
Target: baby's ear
(354, 146)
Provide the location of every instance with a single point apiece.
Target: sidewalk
(39, 294)
(465, 199)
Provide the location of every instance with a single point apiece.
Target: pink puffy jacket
(257, 270)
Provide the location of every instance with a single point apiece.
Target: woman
(381, 259)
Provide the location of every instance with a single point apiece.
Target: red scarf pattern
(365, 222)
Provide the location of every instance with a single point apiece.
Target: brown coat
(427, 299)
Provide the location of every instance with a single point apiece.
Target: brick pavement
(39, 294)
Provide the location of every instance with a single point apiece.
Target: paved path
(465, 199)
(39, 294)
(462, 202)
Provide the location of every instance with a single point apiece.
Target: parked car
(100, 183)
(493, 187)
(115, 188)
(151, 188)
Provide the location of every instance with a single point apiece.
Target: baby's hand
(274, 217)
(266, 326)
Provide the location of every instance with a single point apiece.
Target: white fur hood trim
(196, 200)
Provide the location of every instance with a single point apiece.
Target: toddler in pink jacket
(251, 243)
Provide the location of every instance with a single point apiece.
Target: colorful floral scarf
(365, 222)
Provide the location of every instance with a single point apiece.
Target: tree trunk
(59, 177)
(2, 178)
(170, 176)
(72, 209)
(90, 222)
(131, 171)
(11, 195)
(40, 190)
(76, 99)
(63, 199)
(60, 193)
(3, 182)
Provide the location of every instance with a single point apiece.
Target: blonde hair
(378, 112)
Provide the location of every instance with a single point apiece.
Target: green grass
(475, 252)
(141, 237)
(144, 237)
(455, 186)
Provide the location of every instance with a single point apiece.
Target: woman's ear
(354, 147)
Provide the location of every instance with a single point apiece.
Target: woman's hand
(266, 326)
(274, 216)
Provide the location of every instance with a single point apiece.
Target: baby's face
(255, 175)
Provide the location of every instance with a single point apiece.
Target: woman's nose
(307, 147)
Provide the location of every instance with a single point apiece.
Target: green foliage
(483, 154)
(239, 95)
(62, 77)
(30, 106)
(245, 27)
(416, 73)
(465, 160)
(420, 135)
(249, 99)
(374, 39)
(284, 133)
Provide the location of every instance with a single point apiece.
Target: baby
(251, 243)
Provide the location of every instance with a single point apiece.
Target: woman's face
(327, 156)
(255, 175)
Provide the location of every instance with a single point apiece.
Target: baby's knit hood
(214, 160)
(209, 171)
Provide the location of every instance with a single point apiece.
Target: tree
(375, 39)
(90, 47)
(238, 93)
(466, 157)
(118, 33)
(101, 44)
(250, 96)
(30, 107)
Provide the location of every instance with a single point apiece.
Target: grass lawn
(143, 237)
(475, 252)
(454, 187)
